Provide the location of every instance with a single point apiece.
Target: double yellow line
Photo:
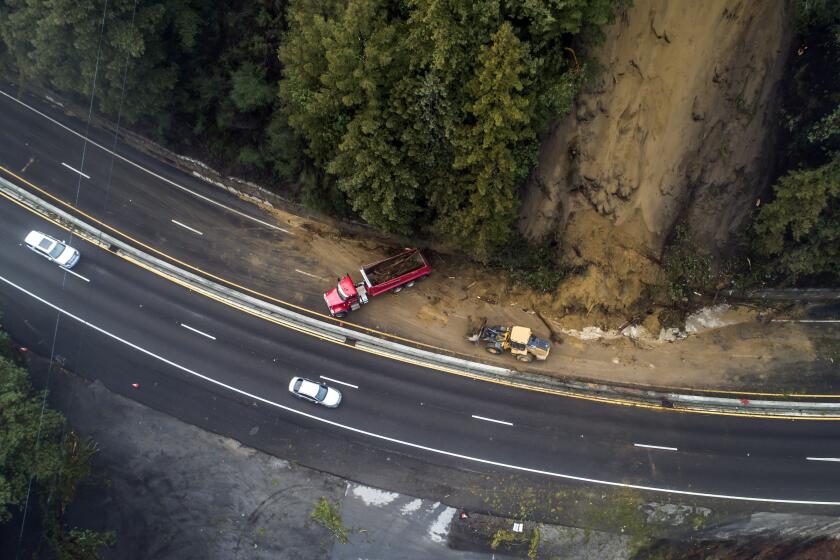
(289, 325)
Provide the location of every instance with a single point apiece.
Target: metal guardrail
(617, 394)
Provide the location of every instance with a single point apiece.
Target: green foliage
(535, 265)
(328, 515)
(799, 232)
(504, 537)
(22, 453)
(534, 543)
(795, 235)
(5, 344)
(196, 73)
(56, 42)
(499, 118)
(686, 269)
(80, 544)
(34, 446)
(421, 117)
(250, 90)
(425, 114)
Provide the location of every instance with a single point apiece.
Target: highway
(118, 321)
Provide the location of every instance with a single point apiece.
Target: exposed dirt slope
(678, 124)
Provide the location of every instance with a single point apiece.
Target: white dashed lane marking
(661, 447)
(189, 328)
(74, 170)
(325, 378)
(506, 423)
(185, 226)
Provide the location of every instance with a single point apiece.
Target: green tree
(23, 454)
(795, 235)
(501, 114)
(57, 42)
(799, 232)
(41, 462)
(425, 114)
(80, 544)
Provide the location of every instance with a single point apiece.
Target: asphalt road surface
(111, 320)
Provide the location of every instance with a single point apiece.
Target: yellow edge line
(393, 357)
(213, 276)
(557, 392)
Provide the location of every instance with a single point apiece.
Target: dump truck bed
(388, 269)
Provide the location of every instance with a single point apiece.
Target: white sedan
(52, 249)
(319, 393)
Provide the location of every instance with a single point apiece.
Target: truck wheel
(397, 290)
(340, 315)
(410, 284)
(525, 358)
(492, 349)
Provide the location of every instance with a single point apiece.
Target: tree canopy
(426, 115)
(420, 117)
(797, 235)
(40, 461)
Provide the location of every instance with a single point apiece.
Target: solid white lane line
(140, 167)
(829, 459)
(185, 226)
(189, 328)
(76, 274)
(308, 274)
(662, 447)
(403, 442)
(325, 378)
(73, 169)
(492, 420)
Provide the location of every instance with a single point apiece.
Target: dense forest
(420, 117)
(797, 236)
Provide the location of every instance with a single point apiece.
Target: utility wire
(58, 315)
(119, 118)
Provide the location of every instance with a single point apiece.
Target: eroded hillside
(678, 125)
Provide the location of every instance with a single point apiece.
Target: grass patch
(328, 515)
(615, 511)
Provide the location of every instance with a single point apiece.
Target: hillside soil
(733, 347)
(678, 125)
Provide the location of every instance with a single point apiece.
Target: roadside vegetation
(42, 464)
(420, 118)
(328, 515)
(796, 236)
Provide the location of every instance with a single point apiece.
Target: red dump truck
(388, 275)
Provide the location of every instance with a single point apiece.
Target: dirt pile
(678, 125)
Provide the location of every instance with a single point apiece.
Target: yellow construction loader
(517, 340)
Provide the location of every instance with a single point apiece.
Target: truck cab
(391, 274)
(345, 297)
